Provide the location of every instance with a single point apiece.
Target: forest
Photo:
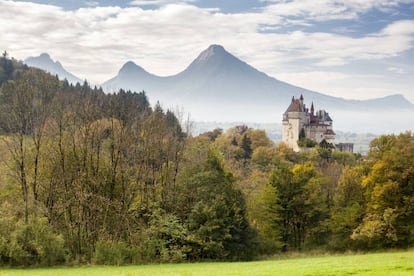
(94, 178)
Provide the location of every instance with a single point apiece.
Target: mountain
(133, 77)
(217, 86)
(45, 62)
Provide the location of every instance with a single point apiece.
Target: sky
(355, 49)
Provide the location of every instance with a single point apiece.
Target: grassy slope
(398, 263)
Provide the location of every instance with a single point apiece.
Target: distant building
(298, 121)
(349, 147)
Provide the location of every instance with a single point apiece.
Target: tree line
(89, 177)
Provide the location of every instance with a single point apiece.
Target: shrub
(165, 239)
(115, 253)
(35, 243)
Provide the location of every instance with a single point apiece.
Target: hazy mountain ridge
(218, 76)
(217, 86)
(45, 62)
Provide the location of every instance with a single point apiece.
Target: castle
(299, 122)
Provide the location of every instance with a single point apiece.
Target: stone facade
(316, 126)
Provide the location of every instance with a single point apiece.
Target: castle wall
(315, 132)
(318, 132)
(290, 132)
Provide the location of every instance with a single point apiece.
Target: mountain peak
(42, 58)
(131, 68)
(130, 64)
(216, 61)
(45, 56)
(45, 62)
(215, 49)
(212, 51)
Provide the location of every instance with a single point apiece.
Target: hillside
(217, 86)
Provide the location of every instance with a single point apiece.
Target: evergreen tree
(246, 146)
(217, 222)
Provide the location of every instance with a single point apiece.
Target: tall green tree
(217, 221)
(347, 210)
(25, 108)
(301, 204)
(389, 190)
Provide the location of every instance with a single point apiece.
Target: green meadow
(395, 263)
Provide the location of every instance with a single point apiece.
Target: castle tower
(293, 121)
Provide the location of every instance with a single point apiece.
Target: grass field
(398, 263)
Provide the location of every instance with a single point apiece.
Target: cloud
(316, 80)
(92, 3)
(323, 10)
(331, 61)
(158, 2)
(397, 70)
(403, 27)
